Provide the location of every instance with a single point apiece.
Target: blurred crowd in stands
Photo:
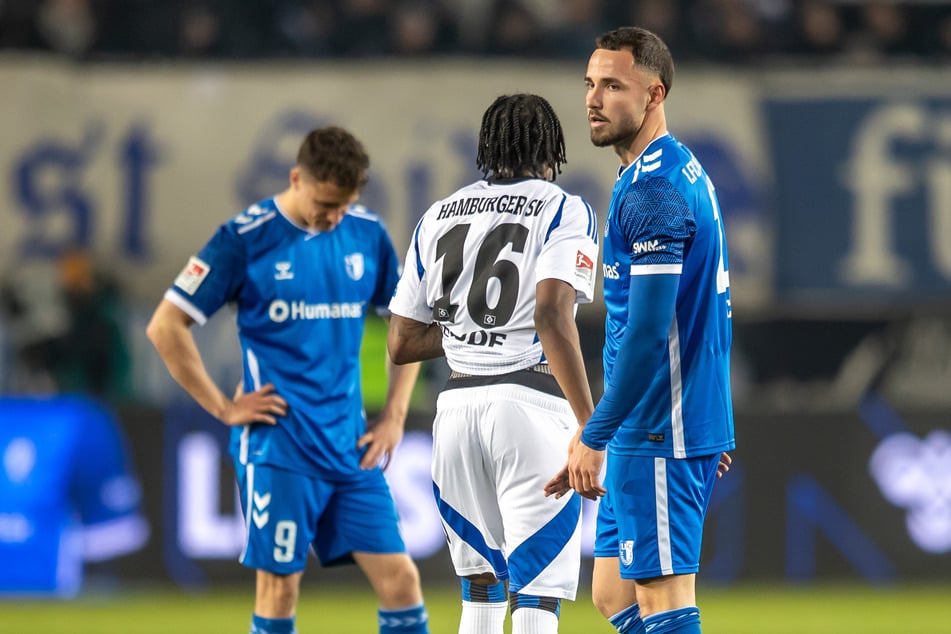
(715, 31)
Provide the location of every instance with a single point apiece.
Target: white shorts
(494, 449)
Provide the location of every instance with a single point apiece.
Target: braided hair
(521, 136)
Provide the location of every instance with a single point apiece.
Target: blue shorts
(652, 516)
(286, 512)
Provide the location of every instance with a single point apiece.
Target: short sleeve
(211, 278)
(570, 249)
(656, 222)
(410, 297)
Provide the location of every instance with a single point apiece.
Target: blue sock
(628, 620)
(413, 620)
(261, 625)
(679, 621)
(479, 593)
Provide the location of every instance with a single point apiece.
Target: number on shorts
(285, 538)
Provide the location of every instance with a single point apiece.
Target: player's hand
(559, 485)
(382, 437)
(584, 469)
(260, 406)
(724, 466)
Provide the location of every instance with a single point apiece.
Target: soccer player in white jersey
(492, 280)
(303, 267)
(666, 414)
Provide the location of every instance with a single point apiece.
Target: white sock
(482, 618)
(534, 621)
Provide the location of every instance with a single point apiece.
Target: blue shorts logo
(627, 552)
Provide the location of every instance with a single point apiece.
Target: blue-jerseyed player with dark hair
(666, 414)
(303, 267)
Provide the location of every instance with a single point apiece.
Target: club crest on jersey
(354, 263)
(282, 271)
(192, 275)
(627, 552)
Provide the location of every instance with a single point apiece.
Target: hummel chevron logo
(261, 501)
(260, 514)
(260, 519)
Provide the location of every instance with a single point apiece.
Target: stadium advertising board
(140, 164)
(855, 496)
(862, 190)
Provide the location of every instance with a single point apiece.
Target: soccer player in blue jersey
(666, 413)
(303, 267)
(67, 493)
(492, 280)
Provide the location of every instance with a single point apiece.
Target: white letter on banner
(875, 179)
(939, 201)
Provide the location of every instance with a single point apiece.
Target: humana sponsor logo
(281, 310)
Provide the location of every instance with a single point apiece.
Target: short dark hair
(520, 134)
(333, 154)
(647, 48)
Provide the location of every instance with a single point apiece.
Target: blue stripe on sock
(471, 535)
(411, 620)
(537, 552)
(628, 620)
(679, 621)
(261, 625)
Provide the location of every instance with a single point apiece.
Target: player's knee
(605, 603)
(482, 579)
(401, 587)
(276, 594)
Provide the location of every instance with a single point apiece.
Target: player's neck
(285, 202)
(653, 127)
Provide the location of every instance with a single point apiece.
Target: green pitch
(761, 610)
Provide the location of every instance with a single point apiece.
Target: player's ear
(295, 177)
(657, 94)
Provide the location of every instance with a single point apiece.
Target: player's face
(617, 97)
(320, 204)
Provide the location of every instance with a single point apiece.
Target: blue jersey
(67, 493)
(301, 298)
(664, 220)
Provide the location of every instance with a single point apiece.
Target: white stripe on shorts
(663, 516)
(248, 507)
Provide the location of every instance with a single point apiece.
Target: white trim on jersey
(656, 269)
(676, 391)
(360, 211)
(189, 309)
(661, 504)
(257, 223)
(255, 369)
(249, 509)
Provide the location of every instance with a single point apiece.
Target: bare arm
(385, 433)
(558, 333)
(170, 332)
(409, 340)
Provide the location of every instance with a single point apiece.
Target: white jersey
(475, 259)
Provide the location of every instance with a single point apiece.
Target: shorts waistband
(538, 377)
(540, 368)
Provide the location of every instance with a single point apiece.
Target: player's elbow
(550, 318)
(397, 349)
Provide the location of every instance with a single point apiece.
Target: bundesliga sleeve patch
(584, 266)
(192, 275)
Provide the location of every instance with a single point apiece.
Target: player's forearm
(409, 340)
(399, 391)
(178, 350)
(641, 352)
(558, 334)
